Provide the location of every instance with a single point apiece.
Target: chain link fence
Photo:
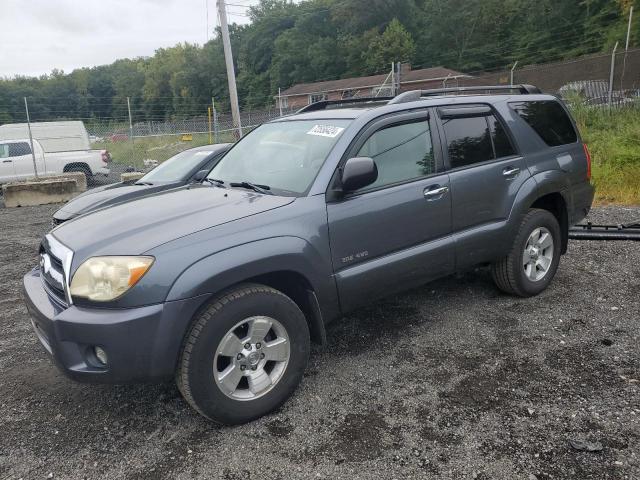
(141, 144)
(147, 143)
(597, 81)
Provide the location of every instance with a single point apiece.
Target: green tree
(395, 44)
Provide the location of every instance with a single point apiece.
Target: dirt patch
(450, 381)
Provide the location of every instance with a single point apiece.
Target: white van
(53, 136)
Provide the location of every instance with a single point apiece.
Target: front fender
(228, 267)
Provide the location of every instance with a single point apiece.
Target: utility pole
(231, 73)
(280, 100)
(33, 152)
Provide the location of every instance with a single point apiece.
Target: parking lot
(453, 380)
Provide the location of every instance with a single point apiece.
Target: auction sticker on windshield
(325, 131)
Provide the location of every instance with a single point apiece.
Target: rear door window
(548, 119)
(475, 139)
(4, 150)
(18, 149)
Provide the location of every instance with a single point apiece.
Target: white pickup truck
(16, 161)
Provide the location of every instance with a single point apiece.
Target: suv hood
(102, 196)
(137, 226)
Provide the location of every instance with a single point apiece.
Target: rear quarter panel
(93, 158)
(561, 168)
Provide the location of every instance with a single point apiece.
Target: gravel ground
(453, 380)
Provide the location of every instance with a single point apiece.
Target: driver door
(395, 233)
(20, 153)
(6, 164)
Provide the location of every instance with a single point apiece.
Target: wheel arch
(556, 204)
(268, 262)
(81, 165)
(299, 289)
(549, 191)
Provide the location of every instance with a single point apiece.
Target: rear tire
(532, 263)
(244, 354)
(87, 174)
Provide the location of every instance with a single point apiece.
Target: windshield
(177, 167)
(284, 156)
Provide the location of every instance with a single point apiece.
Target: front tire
(244, 354)
(534, 257)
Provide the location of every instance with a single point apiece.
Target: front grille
(55, 222)
(52, 274)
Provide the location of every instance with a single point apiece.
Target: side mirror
(200, 176)
(358, 172)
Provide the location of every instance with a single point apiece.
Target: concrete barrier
(79, 177)
(42, 192)
(131, 176)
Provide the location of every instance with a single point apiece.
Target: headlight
(106, 278)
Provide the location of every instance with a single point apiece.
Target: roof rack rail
(414, 95)
(323, 104)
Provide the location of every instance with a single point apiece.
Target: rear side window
(4, 150)
(18, 149)
(475, 139)
(549, 120)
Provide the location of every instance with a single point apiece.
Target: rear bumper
(102, 171)
(583, 194)
(142, 343)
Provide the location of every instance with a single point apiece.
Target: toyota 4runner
(223, 284)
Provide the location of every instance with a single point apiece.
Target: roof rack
(323, 104)
(414, 95)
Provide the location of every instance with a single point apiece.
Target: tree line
(287, 43)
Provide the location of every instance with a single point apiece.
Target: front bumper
(142, 343)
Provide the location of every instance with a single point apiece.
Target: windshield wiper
(215, 182)
(264, 189)
(143, 183)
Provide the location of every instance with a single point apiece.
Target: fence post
(215, 121)
(33, 152)
(512, 69)
(629, 28)
(613, 66)
(131, 131)
(209, 121)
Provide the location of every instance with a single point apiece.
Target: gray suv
(222, 285)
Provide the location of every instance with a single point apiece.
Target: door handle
(7, 161)
(435, 193)
(510, 172)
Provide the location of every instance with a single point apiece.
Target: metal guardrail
(623, 231)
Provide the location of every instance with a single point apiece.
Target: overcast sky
(37, 36)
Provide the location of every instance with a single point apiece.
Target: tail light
(106, 156)
(588, 155)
